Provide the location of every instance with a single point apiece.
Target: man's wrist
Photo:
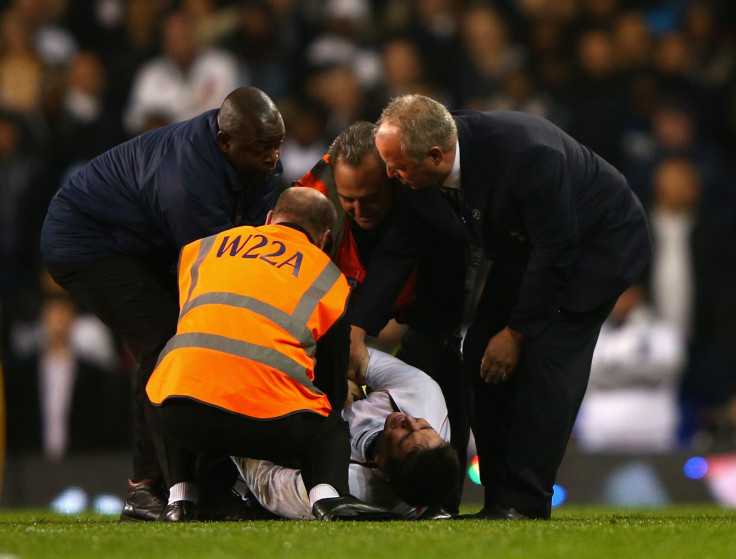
(516, 336)
(357, 334)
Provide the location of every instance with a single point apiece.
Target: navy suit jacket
(540, 201)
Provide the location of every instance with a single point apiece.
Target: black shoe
(348, 507)
(145, 501)
(494, 512)
(231, 506)
(435, 513)
(179, 511)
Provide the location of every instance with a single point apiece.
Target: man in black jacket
(566, 237)
(113, 232)
(373, 219)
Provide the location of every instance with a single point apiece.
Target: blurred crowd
(650, 85)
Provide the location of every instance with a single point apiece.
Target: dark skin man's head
(251, 133)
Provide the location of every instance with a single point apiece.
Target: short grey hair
(353, 144)
(422, 122)
(306, 207)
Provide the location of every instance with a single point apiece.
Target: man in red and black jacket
(376, 234)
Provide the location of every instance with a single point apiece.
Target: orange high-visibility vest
(345, 250)
(254, 301)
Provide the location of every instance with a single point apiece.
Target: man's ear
(223, 140)
(325, 240)
(269, 217)
(436, 154)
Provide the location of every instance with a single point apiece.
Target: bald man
(259, 361)
(113, 233)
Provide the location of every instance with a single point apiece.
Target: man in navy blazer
(566, 236)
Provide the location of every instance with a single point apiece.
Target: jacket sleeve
(189, 202)
(192, 199)
(330, 371)
(387, 272)
(544, 195)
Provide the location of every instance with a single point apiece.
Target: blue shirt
(162, 189)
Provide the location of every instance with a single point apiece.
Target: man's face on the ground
(364, 191)
(254, 149)
(403, 434)
(414, 174)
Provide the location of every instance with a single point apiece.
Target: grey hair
(353, 144)
(422, 122)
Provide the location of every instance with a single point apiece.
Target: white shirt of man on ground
(398, 395)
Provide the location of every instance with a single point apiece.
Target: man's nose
(273, 156)
(358, 209)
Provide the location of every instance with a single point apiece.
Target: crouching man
(401, 458)
(259, 357)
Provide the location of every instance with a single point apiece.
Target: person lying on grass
(401, 458)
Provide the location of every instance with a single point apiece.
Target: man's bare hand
(501, 356)
(358, 356)
(355, 393)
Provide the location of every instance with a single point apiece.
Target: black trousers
(319, 444)
(522, 426)
(137, 300)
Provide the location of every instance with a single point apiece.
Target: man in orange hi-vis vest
(261, 327)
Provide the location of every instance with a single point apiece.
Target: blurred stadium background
(648, 84)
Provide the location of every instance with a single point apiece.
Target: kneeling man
(260, 345)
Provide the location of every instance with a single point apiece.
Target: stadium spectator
(344, 40)
(403, 69)
(489, 56)
(264, 43)
(307, 139)
(632, 405)
(184, 81)
(693, 285)
(674, 132)
(20, 66)
(632, 41)
(64, 392)
(597, 99)
(126, 51)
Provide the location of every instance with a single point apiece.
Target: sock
(184, 491)
(321, 491)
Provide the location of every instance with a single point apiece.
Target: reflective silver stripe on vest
(260, 354)
(295, 323)
(204, 248)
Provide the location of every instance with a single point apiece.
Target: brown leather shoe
(144, 502)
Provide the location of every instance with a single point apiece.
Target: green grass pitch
(573, 533)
